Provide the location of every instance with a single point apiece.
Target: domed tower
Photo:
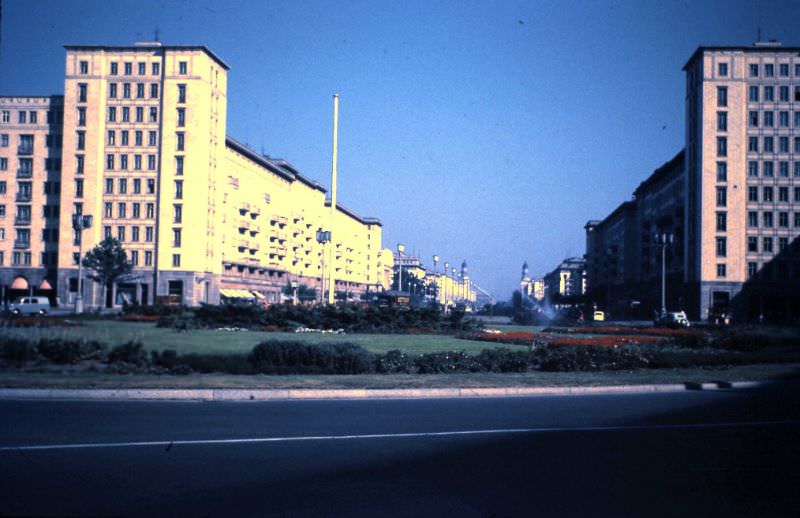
(464, 274)
(525, 284)
(525, 270)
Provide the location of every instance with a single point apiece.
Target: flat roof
(661, 172)
(149, 46)
(768, 47)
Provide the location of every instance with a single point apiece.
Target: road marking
(411, 435)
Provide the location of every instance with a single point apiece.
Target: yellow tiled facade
(144, 152)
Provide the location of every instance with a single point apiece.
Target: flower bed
(626, 330)
(139, 318)
(528, 338)
(36, 322)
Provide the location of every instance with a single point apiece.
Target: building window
(128, 69)
(722, 171)
(797, 144)
(769, 119)
(137, 138)
(783, 219)
(82, 92)
(148, 234)
(134, 233)
(142, 66)
(179, 166)
(154, 90)
(721, 270)
(783, 194)
(79, 188)
(769, 93)
(176, 237)
(139, 90)
(134, 255)
(722, 221)
(722, 121)
(767, 245)
(6, 116)
(752, 168)
(752, 244)
(767, 194)
(176, 260)
(722, 197)
(149, 210)
(79, 161)
(148, 258)
(123, 162)
(114, 68)
(124, 137)
(769, 145)
(752, 144)
(753, 94)
(180, 142)
(178, 189)
(178, 213)
(753, 119)
(783, 94)
(722, 248)
(784, 69)
(769, 169)
(769, 70)
(137, 162)
(156, 69)
(783, 144)
(3, 164)
(722, 146)
(151, 162)
(84, 67)
(139, 114)
(181, 112)
(112, 114)
(722, 69)
(797, 219)
(126, 114)
(135, 210)
(107, 231)
(108, 210)
(151, 186)
(182, 67)
(126, 90)
(181, 93)
(81, 116)
(753, 70)
(137, 186)
(767, 218)
(783, 243)
(109, 162)
(111, 138)
(752, 269)
(151, 138)
(752, 219)
(153, 114)
(123, 185)
(121, 233)
(109, 186)
(783, 118)
(797, 194)
(4, 140)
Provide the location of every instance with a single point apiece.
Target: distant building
(448, 289)
(567, 283)
(531, 287)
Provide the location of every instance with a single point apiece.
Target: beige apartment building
(202, 217)
(30, 163)
(743, 180)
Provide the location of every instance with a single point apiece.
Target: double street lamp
(80, 223)
(663, 239)
(323, 236)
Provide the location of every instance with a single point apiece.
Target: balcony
(24, 150)
(24, 173)
(24, 196)
(21, 244)
(22, 220)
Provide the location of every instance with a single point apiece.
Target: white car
(30, 306)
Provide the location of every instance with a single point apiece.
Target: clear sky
(489, 131)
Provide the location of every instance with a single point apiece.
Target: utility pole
(331, 267)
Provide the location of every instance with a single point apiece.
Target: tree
(107, 263)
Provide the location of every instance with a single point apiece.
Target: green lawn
(207, 341)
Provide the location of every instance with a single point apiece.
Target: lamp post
(79, 224)
(322, 238)
(445, 283)
(294, 285)
(400, 249)
(435, 280)
(663, 240)
(455, 287)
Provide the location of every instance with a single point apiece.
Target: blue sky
(489, 131)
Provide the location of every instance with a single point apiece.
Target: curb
(316, 394)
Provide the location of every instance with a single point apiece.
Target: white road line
(456, 433)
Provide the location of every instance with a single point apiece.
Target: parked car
(29, 306)
(672, 319)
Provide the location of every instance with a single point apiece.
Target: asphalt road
(720, 453)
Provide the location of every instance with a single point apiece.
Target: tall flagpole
(332, 257)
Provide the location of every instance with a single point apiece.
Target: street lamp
(663, 240)
(323, 237)
(445, 283)
(294, 284)
(400, 248)
(79, 224)
(435, 280)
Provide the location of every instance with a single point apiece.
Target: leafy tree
(304, 293)
(107, 264)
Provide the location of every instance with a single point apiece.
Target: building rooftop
(661, 173)
(152, 45)
(768, 46)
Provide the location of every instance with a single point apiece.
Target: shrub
(205, 363)
(394, 362)
(18, 350)
(131, 353)
(503, 360)
(754, 338)
(290, 357)
(63, 351)
(446, 362)
(589, 358)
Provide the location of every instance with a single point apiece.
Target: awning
(45, 285)
(20, 283)
(231, 293)
(258, 295)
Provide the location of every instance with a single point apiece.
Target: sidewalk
(307, 394)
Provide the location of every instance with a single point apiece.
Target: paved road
(721, 453)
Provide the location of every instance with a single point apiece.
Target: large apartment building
(201, 216)
(731, 199)
(30, 164)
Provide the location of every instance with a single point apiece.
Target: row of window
(125, 114)
(122, 185)
(768, 145)
(769, 69)
(127, 68)
(767, 244)
(768, 219)
(111, 163)
(128, 89)
(134, 258)
(125, 140)
(768, 169)
(768, 194)
(31, 117)
(767, 119)
(761, 94)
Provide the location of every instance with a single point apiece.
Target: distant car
(29, 306)
(598, 316)
(673, 319)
